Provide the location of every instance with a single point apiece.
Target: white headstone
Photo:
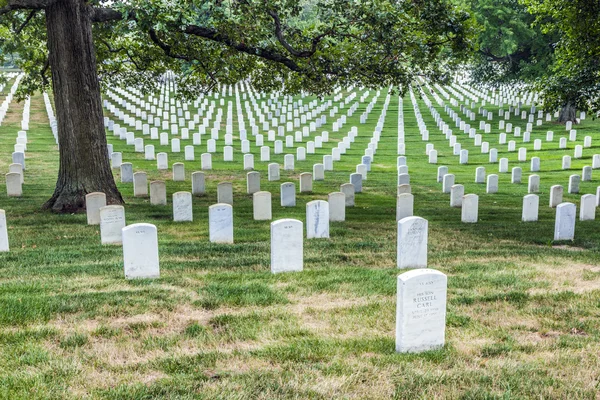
(140, 251)
(531, 203)
(317, 219)
(182, 207)
(564, 224)
(412, 242)
(220, 223)
(287, 254)
(112, 222)
(93, 202)
(421, 311)
(158, 193)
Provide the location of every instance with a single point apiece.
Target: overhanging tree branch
(14, 5)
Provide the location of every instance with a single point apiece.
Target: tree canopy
(296, 45)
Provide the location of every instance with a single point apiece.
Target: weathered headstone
(14, 187)
(225, 193)
(140, 184)
(112, 222)
(574, 183)
(182, 207)
(348, 190)
(158, 193)
(252, 182)
(287, 193)
(404, 206)
(317, 219)
(412, 242)
(456, 195)
(356, 180)
(421, 311)
(556, 195)
(178, 172)
(533, 185)
(261, 206)
(198, 183)
(126, 173)
(306, 182)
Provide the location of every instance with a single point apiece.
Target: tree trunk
(84, 164)
(567, 113)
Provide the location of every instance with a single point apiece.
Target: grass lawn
(523, 312)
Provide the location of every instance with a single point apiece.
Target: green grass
(523, 314)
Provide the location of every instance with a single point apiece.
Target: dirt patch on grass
(567, 276)
(569, 248)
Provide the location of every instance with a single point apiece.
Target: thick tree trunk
(567, 113)
(84, 165)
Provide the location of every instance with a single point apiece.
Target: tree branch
(287, 46)
(267, 54)
(23, 5)
(24, 24)
(109, 14)
(165, 47)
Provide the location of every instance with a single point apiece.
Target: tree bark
(567, 113)
(84, 164)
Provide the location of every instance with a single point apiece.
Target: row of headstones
(9, 98)
(229, 128)
(319, 214)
